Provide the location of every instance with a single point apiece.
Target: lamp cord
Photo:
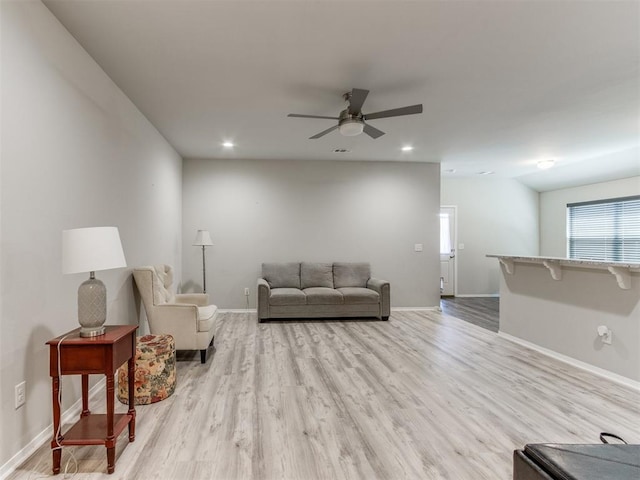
(59, 430)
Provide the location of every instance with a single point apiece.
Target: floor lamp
(203, 239)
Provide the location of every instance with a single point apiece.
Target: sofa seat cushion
(359, 295)
(287, 296)
(282, 275)
(351, 274)
(323, 296)
(206, 317)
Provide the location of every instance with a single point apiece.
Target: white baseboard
(46, 434)
(393, 309)
(478, 295)
(601, 372)
(435, 308)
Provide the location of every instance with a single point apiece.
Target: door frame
(454, 242)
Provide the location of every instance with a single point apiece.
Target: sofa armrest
(384, 290)
(264, 291)
(199, 299)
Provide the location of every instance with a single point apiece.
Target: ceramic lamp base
(92, 307)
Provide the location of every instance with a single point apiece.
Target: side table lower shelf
(92, 429)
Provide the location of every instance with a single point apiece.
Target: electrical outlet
(246, 292)
(20, 394)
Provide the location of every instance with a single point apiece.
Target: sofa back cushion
(351, 274)
(316, 275)
(282, 275)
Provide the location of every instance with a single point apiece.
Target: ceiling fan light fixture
(351, 127)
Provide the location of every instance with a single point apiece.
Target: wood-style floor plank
(422, 396)
(481, 311)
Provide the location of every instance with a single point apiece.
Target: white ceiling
(503, 83)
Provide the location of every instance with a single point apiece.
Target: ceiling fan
(351, 121)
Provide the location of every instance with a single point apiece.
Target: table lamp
(90, 250)
(203, 239)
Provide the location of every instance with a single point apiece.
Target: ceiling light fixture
(228, 145)
(450, 170)
(407, 148)
(486, 172)
(351, 127)
(546, 164)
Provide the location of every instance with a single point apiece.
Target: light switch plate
(417, 247)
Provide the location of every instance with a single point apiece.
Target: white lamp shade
(203, 238)
(91, 249)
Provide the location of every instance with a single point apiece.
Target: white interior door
(447, 251)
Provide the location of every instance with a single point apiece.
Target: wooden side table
(95, 355)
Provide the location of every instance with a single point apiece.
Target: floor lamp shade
(90, 250)
(203, 239)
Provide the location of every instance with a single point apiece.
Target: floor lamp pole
(204, 273)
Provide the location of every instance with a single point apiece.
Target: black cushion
(587, 462)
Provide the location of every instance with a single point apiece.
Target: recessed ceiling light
(228, 144)
(545, 164)
(450, 170)
(486, 172)
(407, 148)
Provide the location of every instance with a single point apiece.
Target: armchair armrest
(384, 290)
(264, 291)
(176, 318)
(199, 299)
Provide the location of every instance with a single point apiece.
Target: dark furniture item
(577, 462)
(94, 355)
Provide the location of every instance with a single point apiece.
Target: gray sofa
(321, 290)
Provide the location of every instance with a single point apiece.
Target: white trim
(416, 309)
(45, 435)
(601, 372)
(478, 295)
(396, 309)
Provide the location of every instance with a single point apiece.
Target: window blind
(606, 230)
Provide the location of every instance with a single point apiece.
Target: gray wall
(563, 315)
(553, 210)
(75, 153)
(261, 211)
(495, 216)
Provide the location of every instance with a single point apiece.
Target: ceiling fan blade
(394, 112)
(358, 96)
(296, 115)
(324, 132)
(372, 131)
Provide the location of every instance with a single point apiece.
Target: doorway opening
(448, 234)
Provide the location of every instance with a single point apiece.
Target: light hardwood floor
(422, 396)
(481, 311)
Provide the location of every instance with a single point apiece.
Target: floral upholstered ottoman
(155, 370)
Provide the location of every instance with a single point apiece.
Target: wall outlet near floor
(246, 291)
(20, 394)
